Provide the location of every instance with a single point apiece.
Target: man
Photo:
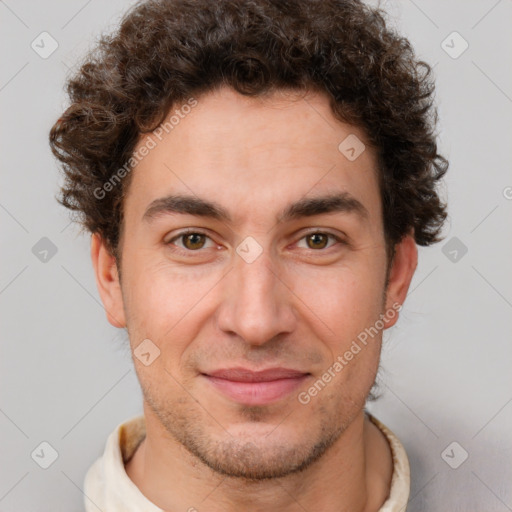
(256, 176)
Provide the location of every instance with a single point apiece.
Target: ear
(403, 267)
(107, 281)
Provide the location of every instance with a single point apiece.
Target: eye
(318, 240)
(194, 241)
(191, 240)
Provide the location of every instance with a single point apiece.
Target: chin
(250, 460)
(259, 451)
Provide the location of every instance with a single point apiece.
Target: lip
(256, 387)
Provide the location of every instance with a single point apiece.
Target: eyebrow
(306, 207)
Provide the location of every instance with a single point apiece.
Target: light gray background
(66, 375)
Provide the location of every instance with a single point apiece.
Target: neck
(353, 475)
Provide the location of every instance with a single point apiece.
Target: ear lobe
(402, 270)
(107, 281)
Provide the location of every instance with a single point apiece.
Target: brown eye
(317, 240)
(193, 241)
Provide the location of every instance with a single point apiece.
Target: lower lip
(257, 393)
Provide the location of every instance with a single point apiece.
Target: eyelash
(200, 232)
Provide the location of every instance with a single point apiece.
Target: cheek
(161, 303)
(344, 301)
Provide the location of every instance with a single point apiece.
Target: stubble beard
(249, 458)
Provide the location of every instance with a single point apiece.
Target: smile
(256, 388)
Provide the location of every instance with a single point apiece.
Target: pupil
(315, 238)
(194, 239)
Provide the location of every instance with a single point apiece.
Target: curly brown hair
(165, 51)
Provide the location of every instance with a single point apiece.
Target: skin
(300, 305)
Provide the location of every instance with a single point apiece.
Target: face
(253, 256)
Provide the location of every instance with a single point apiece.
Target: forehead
(254, 155)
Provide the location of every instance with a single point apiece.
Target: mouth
(256, 387)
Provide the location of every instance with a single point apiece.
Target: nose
(257, 302)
